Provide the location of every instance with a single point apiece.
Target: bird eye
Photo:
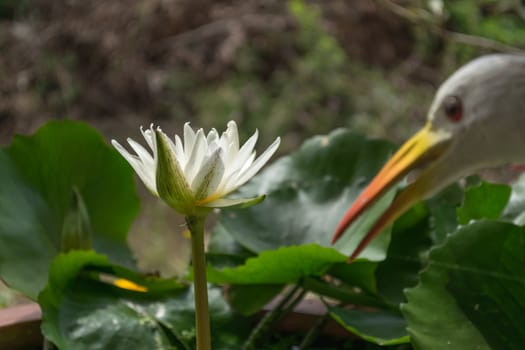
(453, 108)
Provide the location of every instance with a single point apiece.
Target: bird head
(476, 120)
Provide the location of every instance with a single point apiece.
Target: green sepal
(235, 203)
(172, 186)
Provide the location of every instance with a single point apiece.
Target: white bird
(477, 120)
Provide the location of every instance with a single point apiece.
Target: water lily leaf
(472, 293)
(224, 251)
(281, 266)
(250, 298)
(308, 193)
(376, 326)
(38, 176)
(360, 273)
(80, 312)
(410, 239)
(483, 201)
(443, 212)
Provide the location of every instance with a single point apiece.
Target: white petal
(147, 177)
(259, 163)
(209, 176)
(189, 139)
(233, 134)
(229, 152)
(248, 162)
(143, 154)
(148, 136)
(179, 151)
(231, 181)
(245, 152)
(222, 189)
(197, 156)
(213, 141)
(212, 136)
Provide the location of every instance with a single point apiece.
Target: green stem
(314, 332)
(345, 295)
(290, 299)
(202, 314)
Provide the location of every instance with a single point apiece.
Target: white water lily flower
(198, 170)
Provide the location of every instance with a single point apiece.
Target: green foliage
(80, 312)
(484, 201)
(471, 293)
(378, 327)
(381, 284)
(410, 240)
(475, 280)
(285, 265)
(309, 92)
(249, 299)
(459, 278)
(486, 19)
(307, 194)
(465, 283)
(39, 174)
(10, 9)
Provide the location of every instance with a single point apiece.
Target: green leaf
(308, 193)
(224, 251)
(80, 312)
(443, 212)
(38, 175)
(281, 266)
(376, 326)
(484, 201)
(472, 294)
(360, 273)
(410, 239)
(249, 298)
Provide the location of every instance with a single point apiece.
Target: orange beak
(423, 148)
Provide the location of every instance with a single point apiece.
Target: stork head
(477, 119)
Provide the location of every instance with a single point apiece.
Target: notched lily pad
(308, 193)
(281, 266)
(472, 293)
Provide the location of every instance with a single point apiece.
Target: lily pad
(472, 293)
(281, 266)
(376, 326)
(443, 212)
(248, 298)
(308, 193)
(485, 200)
(38, 175)
(410, 240)
(80, 312)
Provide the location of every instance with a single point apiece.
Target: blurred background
(289, 68)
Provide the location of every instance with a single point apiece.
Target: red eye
(453, 108)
